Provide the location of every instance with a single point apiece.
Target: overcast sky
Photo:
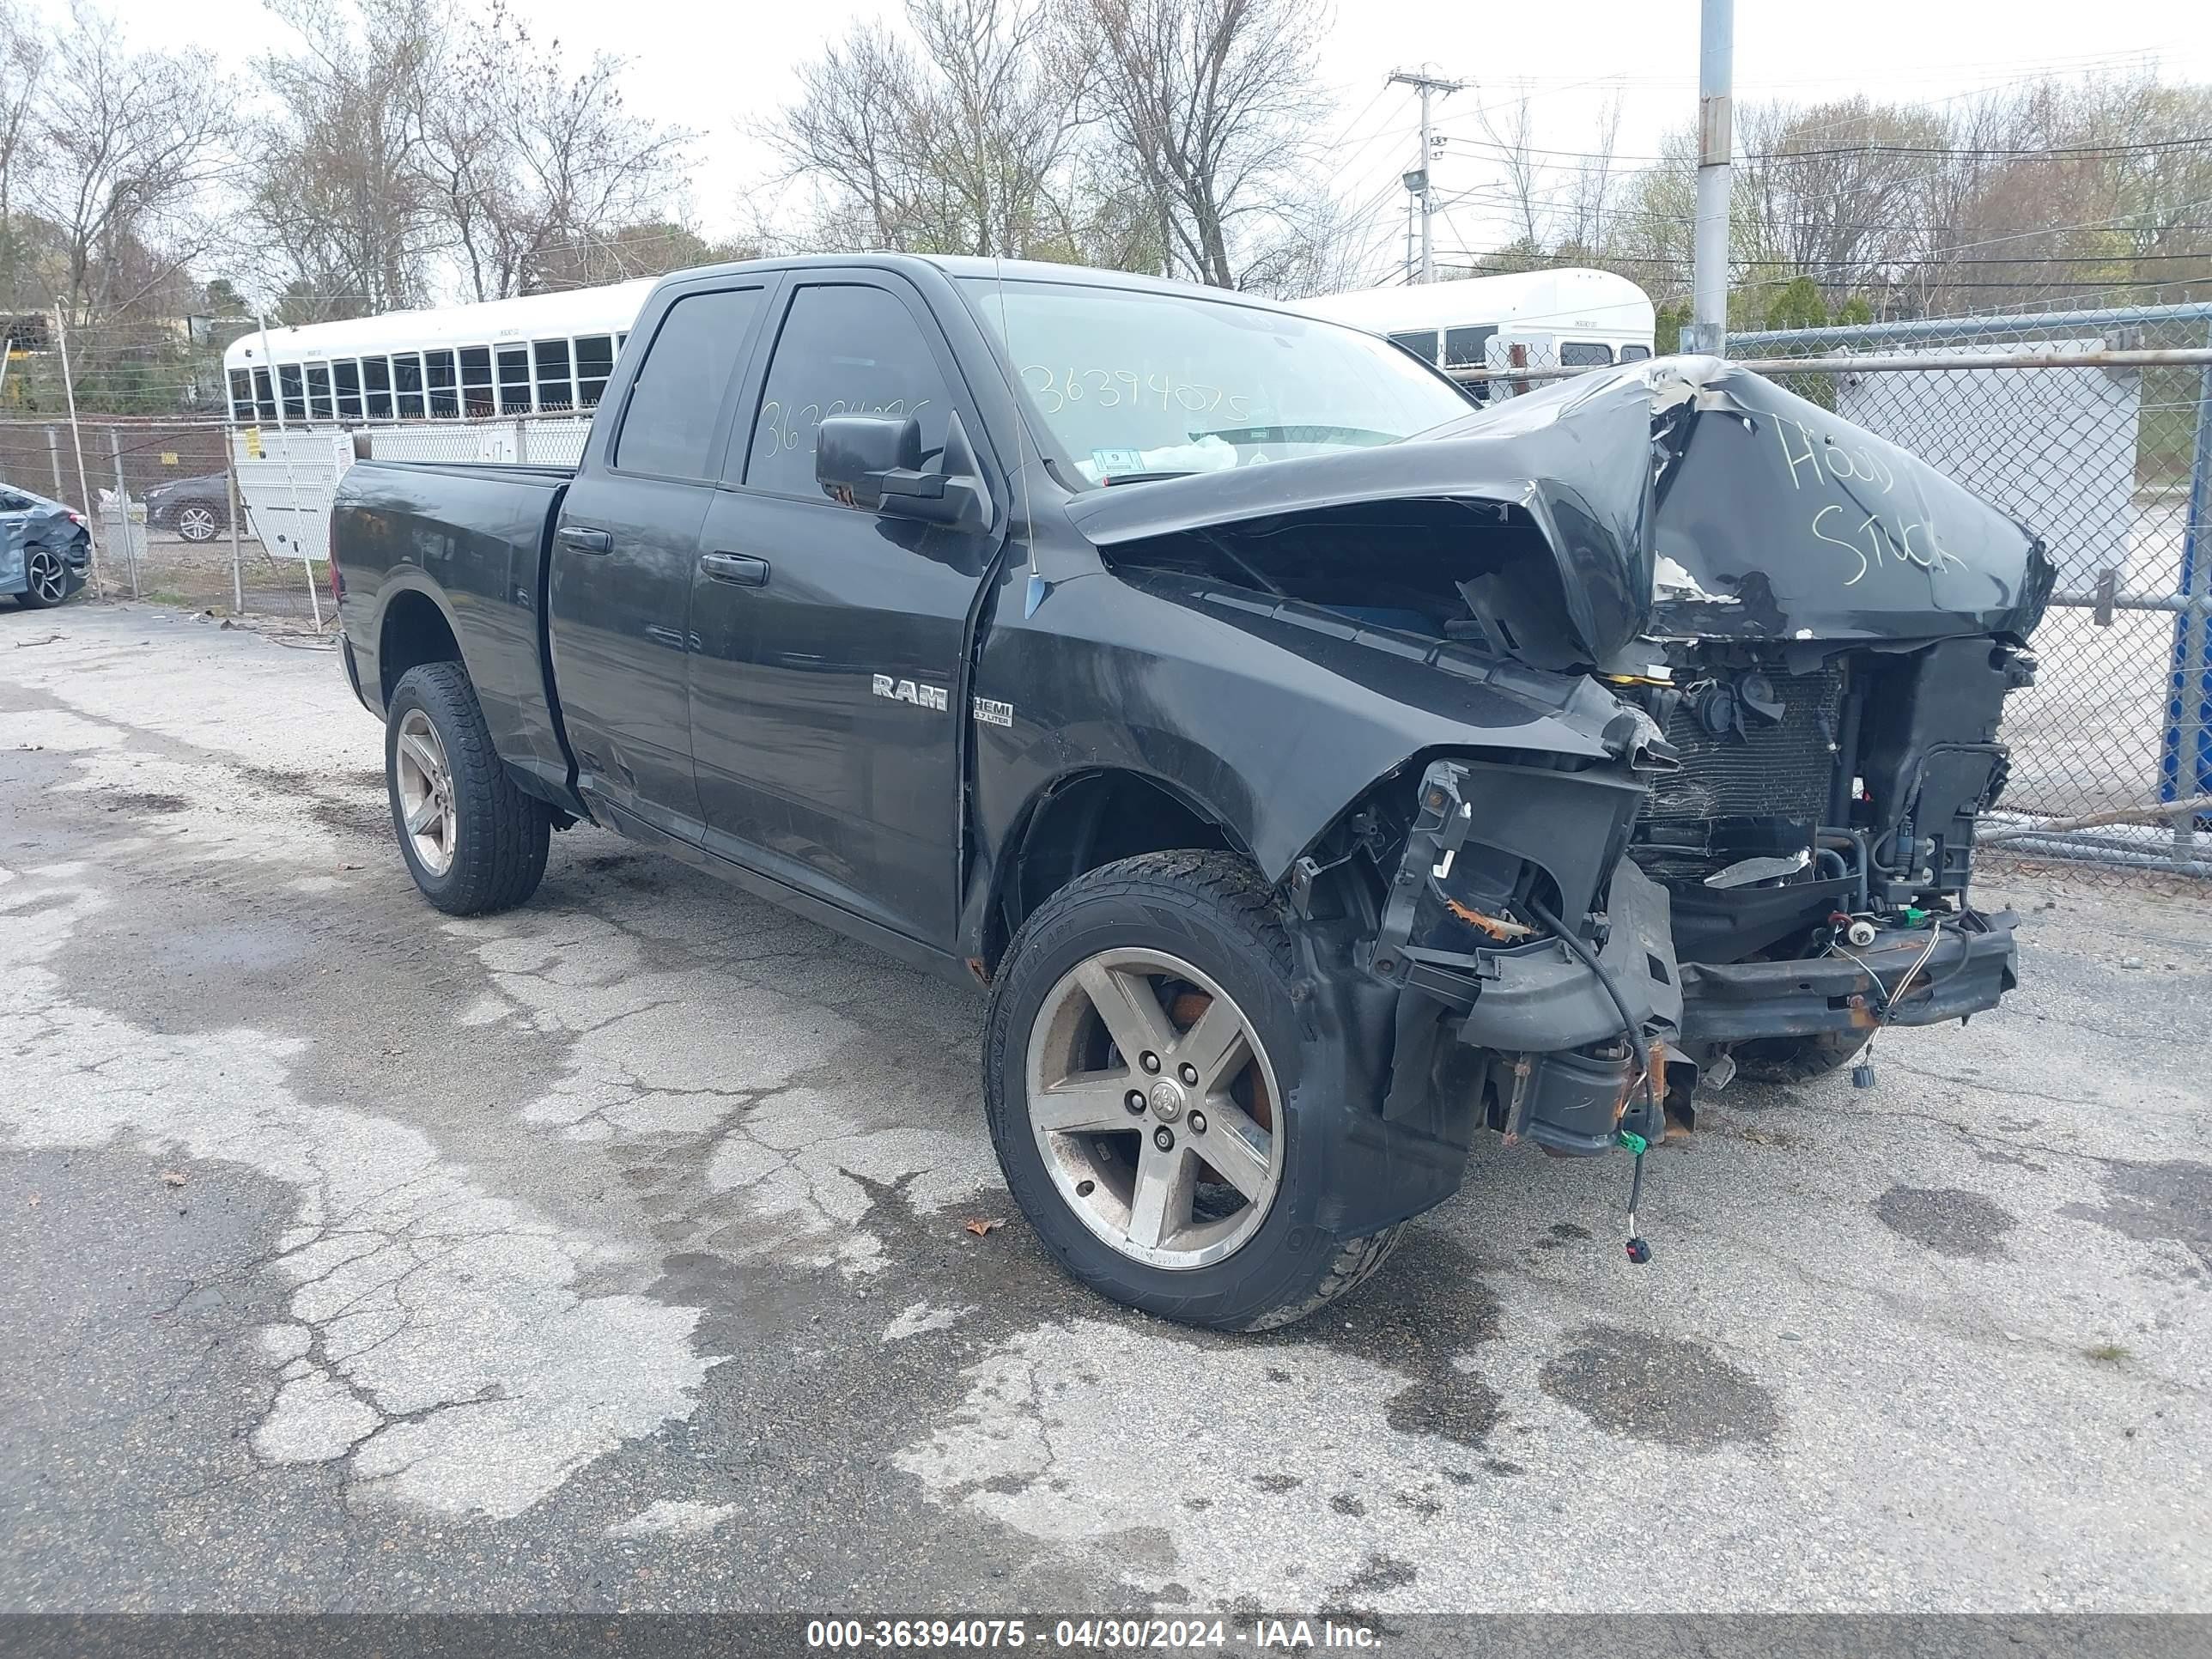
(712, 66)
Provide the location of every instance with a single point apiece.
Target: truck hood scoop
(1677, 498)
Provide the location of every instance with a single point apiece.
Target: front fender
(1270, 717)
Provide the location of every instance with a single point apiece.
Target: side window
(376, 384)
(845, 349)
(13, 503)
(595, 361)
(318, 391)
(1634, 354)
(1465, 348)
(1585, 353)
(1422, 343)
(669, 427)
(346, 377)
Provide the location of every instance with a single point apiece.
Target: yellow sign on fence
(253, 443)
(169, 457)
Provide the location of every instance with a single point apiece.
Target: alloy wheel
(196, 524)
(45, 576)
(1155, 1106)
(425, 782)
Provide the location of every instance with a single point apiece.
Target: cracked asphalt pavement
(611, 1254)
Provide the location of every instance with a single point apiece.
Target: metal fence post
(123, 510)
(77, 439)
(54, 454)
(2185, 769)
(237, 556)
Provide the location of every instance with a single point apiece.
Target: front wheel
(1799, 1058)
(198, 524)
(473, 841)
(1141, 1066)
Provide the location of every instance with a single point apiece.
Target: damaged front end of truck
(1781, 646)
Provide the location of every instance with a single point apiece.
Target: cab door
(623, 549)
(825, 716)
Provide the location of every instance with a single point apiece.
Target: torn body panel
(1679, 498)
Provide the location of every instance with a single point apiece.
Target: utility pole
(1708, 330)
(1417, 181)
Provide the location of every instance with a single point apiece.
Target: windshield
(1136, 384)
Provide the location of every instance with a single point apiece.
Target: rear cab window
(668, 428)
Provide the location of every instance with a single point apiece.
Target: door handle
(583, 540)
(739, 569)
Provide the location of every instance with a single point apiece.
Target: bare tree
(343, 210)
(22, 61)
(129, 145)
(1213, 100)
(965, 145)
(1514, 139)
(537, 170)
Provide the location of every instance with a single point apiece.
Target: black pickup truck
(1316, 767)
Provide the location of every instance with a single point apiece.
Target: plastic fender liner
(1547, 1000)
(1384, 1170)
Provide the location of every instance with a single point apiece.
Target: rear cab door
(626, 538)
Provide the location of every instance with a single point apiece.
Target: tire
(198, 523)
(441, 768)
(46, 579)
(1799, 1060)
(1191, 931)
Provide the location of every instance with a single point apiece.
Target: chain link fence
(2095, 429)
(2092, 428)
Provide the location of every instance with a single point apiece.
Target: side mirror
(854, 453)
(873, 462)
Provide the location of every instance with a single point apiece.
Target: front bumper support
(1974, 962)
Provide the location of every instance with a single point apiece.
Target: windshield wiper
(1143, 478)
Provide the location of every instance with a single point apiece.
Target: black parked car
(1318, 770)
(198, 509)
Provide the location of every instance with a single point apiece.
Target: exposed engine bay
(1794, 641)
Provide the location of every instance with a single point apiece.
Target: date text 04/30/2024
(1073, 1634)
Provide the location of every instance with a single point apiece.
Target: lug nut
(1164, 1138)
(1135, 1102)
(1188, 1074)
(1198, 1123)
(1150, 1062)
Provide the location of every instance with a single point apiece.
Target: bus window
(554, 389)
(265, 401)
(513, 379)
(318, 391)
(476, 379)
(1467, 348)
(1633, 354)
(288, 385)
(241, 395)
(376, 387)
(345, 377)
(595, 361)
(438, 371)
(407, 384)
(1422, 343)
(1585, 353)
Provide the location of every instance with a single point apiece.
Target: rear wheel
(473, 841)
(45, 580)
(1140, 1063)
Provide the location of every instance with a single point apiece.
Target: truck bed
(475, 534)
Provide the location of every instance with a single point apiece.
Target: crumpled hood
(1679, 497)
